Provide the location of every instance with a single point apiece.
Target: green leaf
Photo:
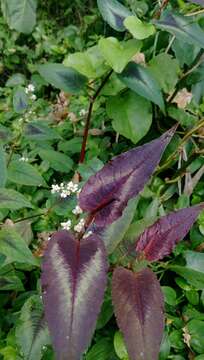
(140, 80)
(11, 282)
(114, 234)
(15, 249)
(31, 331)
(169, 295)
(127, 110)
(113, 86)
(10, 353)
(20, 100)
(3, 167)
(102, 350)
(20, 14)
(62, 77)
(114, 13)
(57, 160)
(38, 131)
(13, 200)
(89, 63)
(166, 71)
(183, 28)
(196, 330)
(195, 260)
(118, 54)
(16, 79)
(185, 54)
(23, 173)
(138, 29)
(119, 346)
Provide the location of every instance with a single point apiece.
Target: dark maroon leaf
(106, 193)
(159, 239)
(73, 282)
(138, 305)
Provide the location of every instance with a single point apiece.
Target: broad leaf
(15, 249)
(13, 200)
(183, 28)
(139, 79)
(159, 239)
(32, 331)
(57, 160)
(73, 282)
(20, 100)
(23, 173)
(166, 71)
(3, 167)
(102, 350)
(127, 110)
(114, 13)
(38, 131)
(62, 77)
(107, 193)
(118, 54)
(138, 29)
(89, 63)
(138, 305)
(20, 14)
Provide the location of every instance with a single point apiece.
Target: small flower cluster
(80, 226)
(24, 158)
(30, 90)
(65, 190)
(83, 112)
(66, 225)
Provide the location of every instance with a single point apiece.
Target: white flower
(80, 226)
(82, 112)
(65, 193)
(24, 158)
(33, 97)
(77, 210)
(31, 88)
(55, 189)
(66, 225)
(89, 233)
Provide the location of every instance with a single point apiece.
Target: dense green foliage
(41, 132)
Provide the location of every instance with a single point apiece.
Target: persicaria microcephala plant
(75, 267)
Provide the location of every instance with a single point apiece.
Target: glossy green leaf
(183, 28)
(127, 110)
(140, 80)
(102, 350)
(139, 30)
(10, 282)
(114, 13)
(39, 131)
(196, 330)
(119, 346)
(13, 200)
(57, 160)
(62, 77)
(15, 249)
(118, 54)
(3, 167)
(20, 14)
(31, 331)
(23, 173)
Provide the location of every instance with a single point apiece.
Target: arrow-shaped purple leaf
(106, 194)
(139, 309)
(159, 239)
(73, 283)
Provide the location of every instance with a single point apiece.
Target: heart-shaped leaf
(183, 28)
(138, 29)
(138, 306)
(139, 79)
(159, 239)
(127, 110)
(73, 282)
(62, 77)
(118, 54)
(107, 193)
(114, 13)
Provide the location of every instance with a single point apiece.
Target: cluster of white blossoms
(24, 158)
(30, 90)
(80, 226)
(83, 112)
(65, 190)
(66, 225)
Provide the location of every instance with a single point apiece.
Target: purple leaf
(159, 239)
(138, 305)
(106, 194)
(73, 282)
